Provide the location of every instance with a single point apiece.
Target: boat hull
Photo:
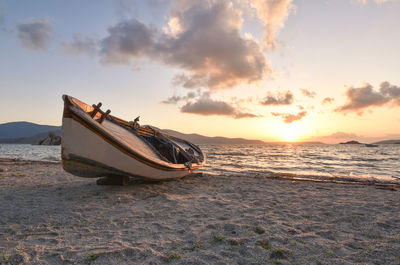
(87, 154)
(93, 146)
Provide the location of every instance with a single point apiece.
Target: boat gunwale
(74, 111)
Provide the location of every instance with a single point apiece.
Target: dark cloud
(206, 106)
(172, 100)
(307, 93)
(208, 44)
(194, 81)
(35, 33)
(362, 98)
(175, 99)
(288, 117)
(204, 40)
(327, 100)
(278, 99)
(127, 41)
(243, 115)
(80, 45)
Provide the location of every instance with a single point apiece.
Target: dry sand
(48, 216)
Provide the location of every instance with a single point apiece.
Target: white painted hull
(86, 152)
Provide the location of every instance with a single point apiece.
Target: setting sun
(290, 135)
(290, 132)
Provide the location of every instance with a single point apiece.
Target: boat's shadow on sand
(132, 181)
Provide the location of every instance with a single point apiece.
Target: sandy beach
(48, 216)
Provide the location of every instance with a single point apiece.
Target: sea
(338, 163)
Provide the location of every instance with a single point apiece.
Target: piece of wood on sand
(113, 180)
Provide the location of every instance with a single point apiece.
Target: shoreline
(48, 216)
(391, 185)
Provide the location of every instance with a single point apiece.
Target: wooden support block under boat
(113, 180)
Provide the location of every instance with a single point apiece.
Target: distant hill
(296, 143)
(28, 133)
(200, 139)
(25, 132)
(388, 142)
(29, 140)
(23, 129)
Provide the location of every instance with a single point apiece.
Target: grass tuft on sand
(171, 256)
(218, 238)
(93, 256)
(264, 244)
(5, 259)
(259, 230)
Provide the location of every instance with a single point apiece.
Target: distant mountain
(29, 140)
(388, 142)
(29, 133)
(200, 139)
(23, 129)
(296, 143)
(25, 132)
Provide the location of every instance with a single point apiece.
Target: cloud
(288, 117)
(207, 43)
(342, 135)
(339, 137)
(243, 115)
(272, 14)
(128, 40)
(327, 100)
(308, 93)
(80, 45)
(194, 81)
(362, 98)
(172, 100)
(35, 33)
(205, 40)
(202, 38)
(206, 106)
(278, 99)
(175, 99)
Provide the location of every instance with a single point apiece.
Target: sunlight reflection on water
(307, 161)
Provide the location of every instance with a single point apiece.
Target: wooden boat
(96, 144)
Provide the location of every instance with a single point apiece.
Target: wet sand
(48, 216)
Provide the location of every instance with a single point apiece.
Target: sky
(274, 70)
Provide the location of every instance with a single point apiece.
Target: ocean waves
(305, 162)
